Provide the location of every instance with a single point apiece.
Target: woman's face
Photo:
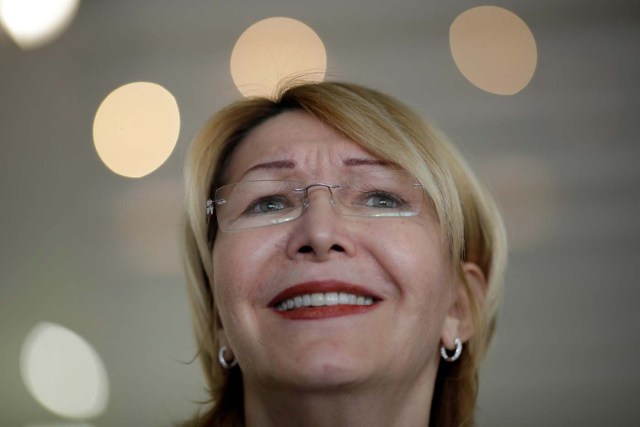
(400, 262)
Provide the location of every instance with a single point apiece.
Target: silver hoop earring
(223, 362)
(456, 354)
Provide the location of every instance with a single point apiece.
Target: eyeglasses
(373, 194)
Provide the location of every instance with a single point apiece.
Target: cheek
(232, 268)
(227, 269)
(241, 262)
(419, 267)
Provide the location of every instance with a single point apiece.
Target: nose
(320, 233)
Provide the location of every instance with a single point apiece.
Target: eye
(268, 204)
(383, 200)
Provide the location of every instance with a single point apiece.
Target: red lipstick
(324, 311)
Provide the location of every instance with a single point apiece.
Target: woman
(344, 264)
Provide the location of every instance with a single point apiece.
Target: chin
(325, 367)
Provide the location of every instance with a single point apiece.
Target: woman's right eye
(267, 205)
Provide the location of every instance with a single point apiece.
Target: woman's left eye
(270, 206)
(382, 200)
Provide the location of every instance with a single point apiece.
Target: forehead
(297, 137)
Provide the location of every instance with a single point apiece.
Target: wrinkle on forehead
(316, 148)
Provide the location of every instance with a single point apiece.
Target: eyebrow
(277, 164)
(290, 164)
(366, 162)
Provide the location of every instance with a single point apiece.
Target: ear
(229, 355)
(222, 336)
(459, 320)
(219, 330)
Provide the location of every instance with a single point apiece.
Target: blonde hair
(469, 220)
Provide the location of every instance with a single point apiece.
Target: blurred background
(543, 97)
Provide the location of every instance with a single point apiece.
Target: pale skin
(369, 369)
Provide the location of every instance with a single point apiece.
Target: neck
(402, 405)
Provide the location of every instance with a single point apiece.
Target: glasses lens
(386, 193)
(257, 203)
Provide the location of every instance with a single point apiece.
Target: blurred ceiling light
(34, 23)
(63, 372)
(136, 128)
(494, 49)
(273, 50)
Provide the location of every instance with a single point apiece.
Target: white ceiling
(98, 253)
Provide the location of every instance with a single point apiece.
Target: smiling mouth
(323, 299)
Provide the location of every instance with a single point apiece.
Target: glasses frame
(211, 203)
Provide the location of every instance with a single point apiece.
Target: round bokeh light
(494, 49)
(275, 50)
(34, 23)
(63, 372)
(136, 128)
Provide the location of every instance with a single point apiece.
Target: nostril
(305, 249)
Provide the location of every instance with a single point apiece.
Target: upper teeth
(322, 299)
